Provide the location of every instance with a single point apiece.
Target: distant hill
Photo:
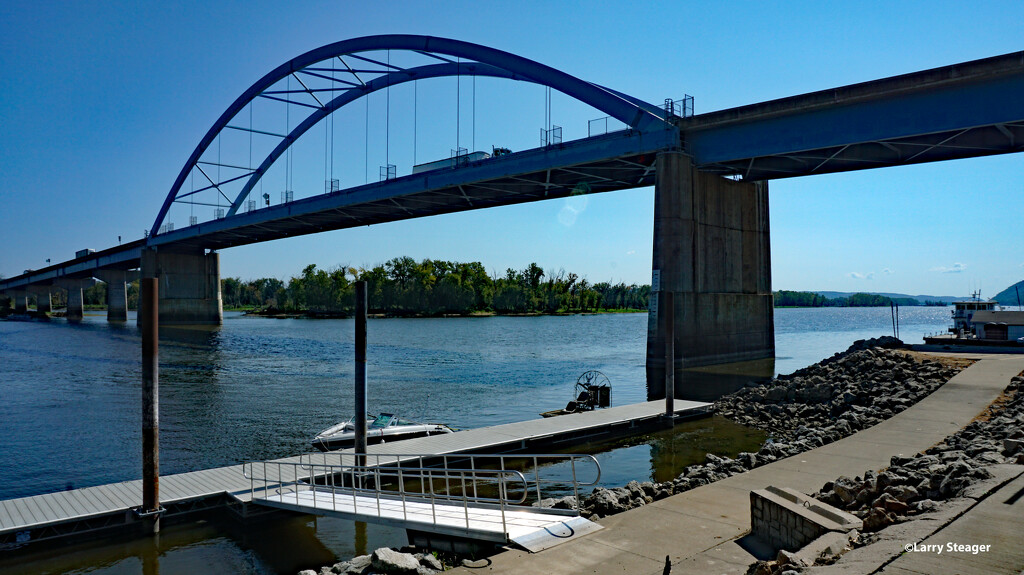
(1009, 295)
(920, 298)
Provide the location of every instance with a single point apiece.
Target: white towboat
(385, 427)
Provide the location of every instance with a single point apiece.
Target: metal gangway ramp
(480, 497)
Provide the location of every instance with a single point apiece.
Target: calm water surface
(258, 388)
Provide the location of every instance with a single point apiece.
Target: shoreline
(710, 526)
(872, 361)
(344, 315)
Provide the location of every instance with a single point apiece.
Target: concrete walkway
(700, 530)
(984, 541)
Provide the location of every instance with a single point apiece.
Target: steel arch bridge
(334, 76)
(962, 110)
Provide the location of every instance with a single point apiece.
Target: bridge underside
(960, 111)
(936, 147)
(606, 163)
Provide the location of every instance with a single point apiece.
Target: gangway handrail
(280, 482)
(331, 474)
(399, 458)
(345, 474)
(500, 460)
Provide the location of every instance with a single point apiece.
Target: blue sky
(101, 104)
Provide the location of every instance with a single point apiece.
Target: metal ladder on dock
(480, 497)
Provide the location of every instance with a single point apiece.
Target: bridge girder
(963, 110)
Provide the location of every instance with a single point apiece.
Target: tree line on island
(403, 287)
(784, 298)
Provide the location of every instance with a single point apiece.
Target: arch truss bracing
(269, 117)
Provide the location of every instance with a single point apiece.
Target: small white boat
(385, 427)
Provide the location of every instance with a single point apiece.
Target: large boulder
(354, 566)
(392, 562)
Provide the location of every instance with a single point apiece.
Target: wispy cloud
(860, 276)
(953, 269)
(574, 206)
(887, 271)
(630, 252)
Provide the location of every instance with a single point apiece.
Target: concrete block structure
(788, 519)
(711, 250)
(189, 287)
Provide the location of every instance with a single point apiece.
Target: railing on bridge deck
(384, 480)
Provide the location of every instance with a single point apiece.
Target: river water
(258, 388)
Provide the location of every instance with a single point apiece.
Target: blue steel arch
(484, 61)
(375, 85)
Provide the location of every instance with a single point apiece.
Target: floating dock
(78, 511)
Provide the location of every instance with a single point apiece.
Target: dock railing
(538, 469)
(467, 481)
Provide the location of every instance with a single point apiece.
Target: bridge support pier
(20, 302)
(711, 251)
(44, 303)
(76, 302)
(117, 294)
(189, 286)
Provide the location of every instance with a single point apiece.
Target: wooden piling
(150, 402)
(360, 379)
(670, 355)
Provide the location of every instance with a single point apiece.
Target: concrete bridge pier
(189, 291)
(44, 303)
(20, 301)
(711, 250)
(117, 293)
(76, 302)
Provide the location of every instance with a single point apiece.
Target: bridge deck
(56, 514)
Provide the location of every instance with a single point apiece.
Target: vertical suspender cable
(287, 129)
(474, 112)
(250, 138)
(458, 89)
(366, 142)
(387, 125)
(219, 180)
(327, 129)
(415, 112)
(332, 128)
(549, 108)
